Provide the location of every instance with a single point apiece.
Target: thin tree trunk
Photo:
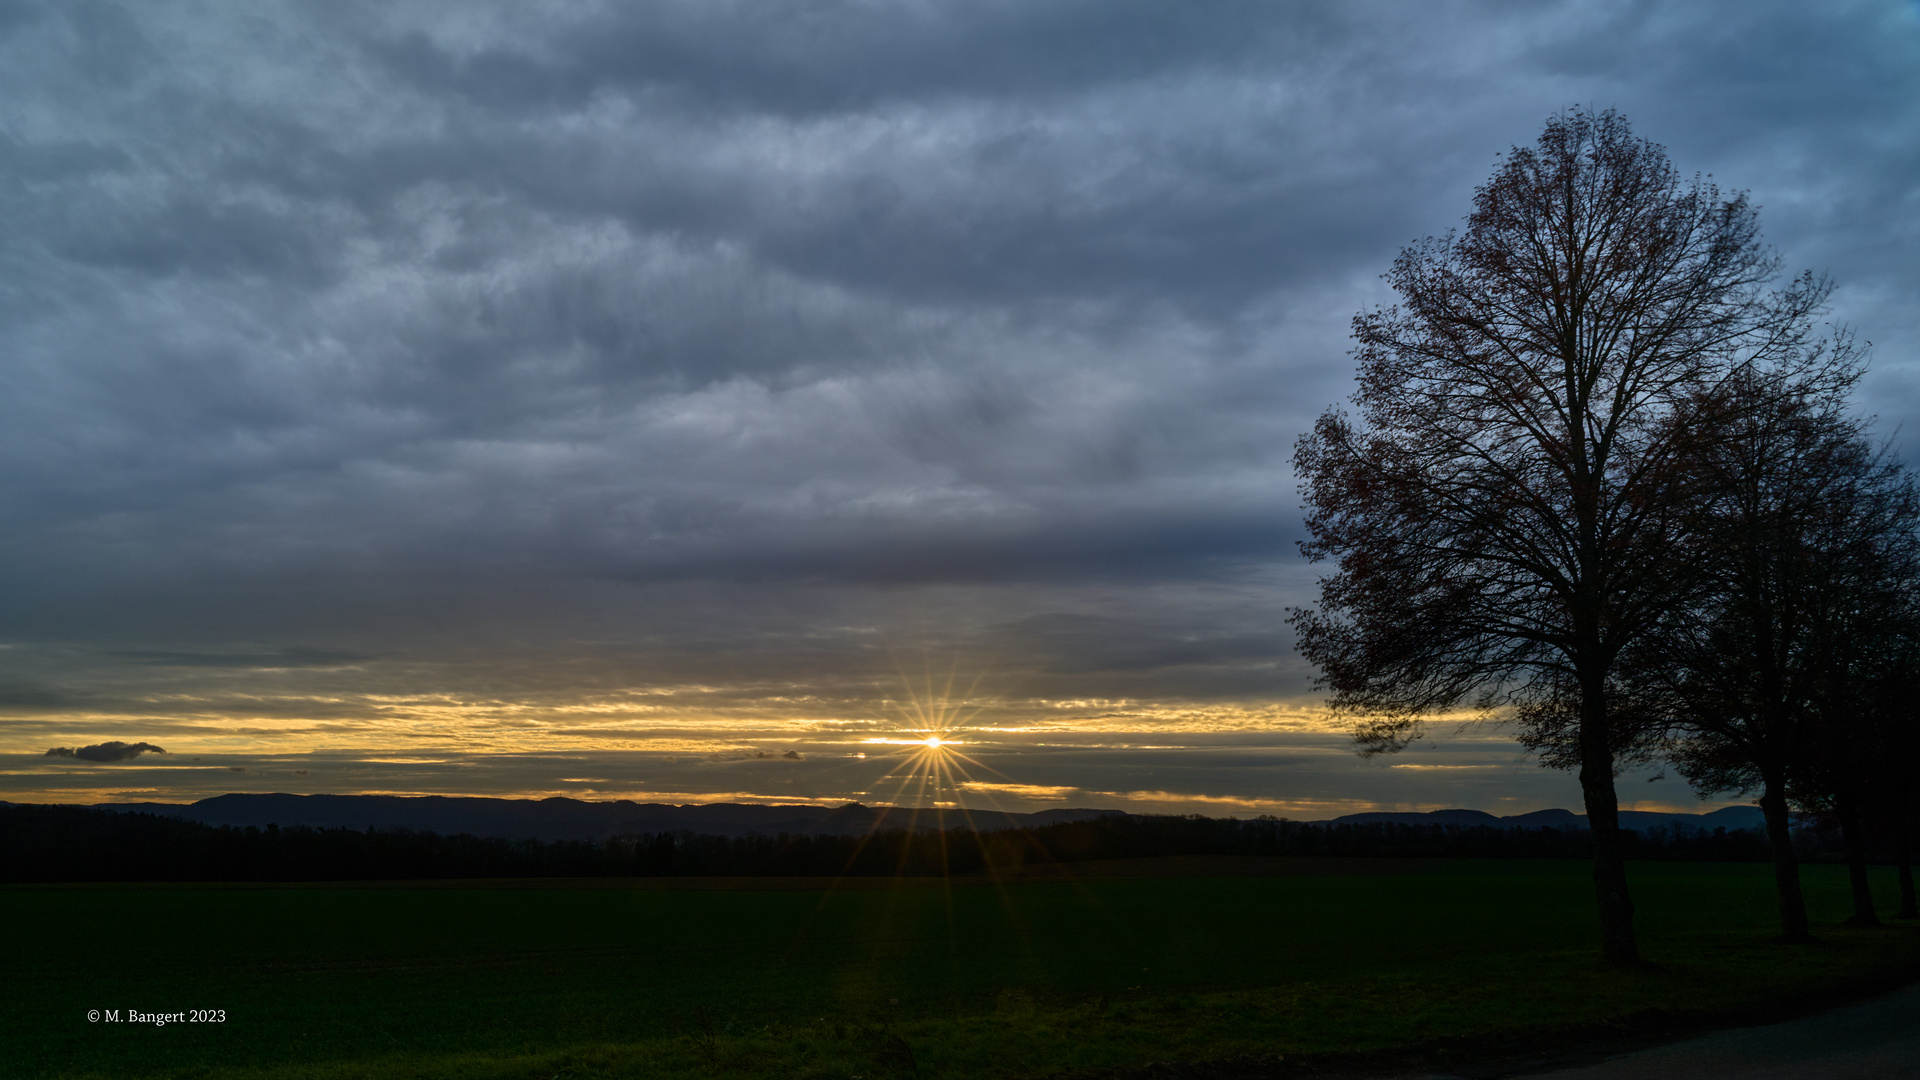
(1903, 836)
(1786, 865)
(1848, 810)
(1617, 941)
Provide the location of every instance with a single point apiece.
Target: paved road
(1871, 1040)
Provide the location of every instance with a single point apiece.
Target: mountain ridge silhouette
(562, 818)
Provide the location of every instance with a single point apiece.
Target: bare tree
(1507, 511)
(1897, 750)
(1895, 746)
(1856, 764)
(1802, 543)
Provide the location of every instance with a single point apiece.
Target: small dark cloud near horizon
(283, 658)
(509, 355)
(105, 752)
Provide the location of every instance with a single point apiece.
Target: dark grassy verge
(1075, 977)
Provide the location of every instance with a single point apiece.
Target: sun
(930, 767)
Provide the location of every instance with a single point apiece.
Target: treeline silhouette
(74, 844)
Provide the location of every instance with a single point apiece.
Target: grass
(913, 978)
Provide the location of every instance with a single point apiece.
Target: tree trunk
(1847, 809)
(1904, 838)
(1786, 865)
(1617, 942)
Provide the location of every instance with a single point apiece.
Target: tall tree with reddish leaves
(1508, 510)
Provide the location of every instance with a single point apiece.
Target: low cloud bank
(106, 751)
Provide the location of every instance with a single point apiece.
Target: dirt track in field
(1877, 1039)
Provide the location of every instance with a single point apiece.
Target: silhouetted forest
(62, 843)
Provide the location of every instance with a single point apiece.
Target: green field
(872, 979)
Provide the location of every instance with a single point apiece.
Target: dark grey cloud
(364, 352)
(283, 658)
(106, 752)
(28, 695)
(841, 57)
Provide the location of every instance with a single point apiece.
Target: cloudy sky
(606, 400)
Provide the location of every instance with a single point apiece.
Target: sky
(697, 401)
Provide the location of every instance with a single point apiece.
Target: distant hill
(1730, 818)
(574, 819)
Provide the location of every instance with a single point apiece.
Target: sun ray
(925, 785)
